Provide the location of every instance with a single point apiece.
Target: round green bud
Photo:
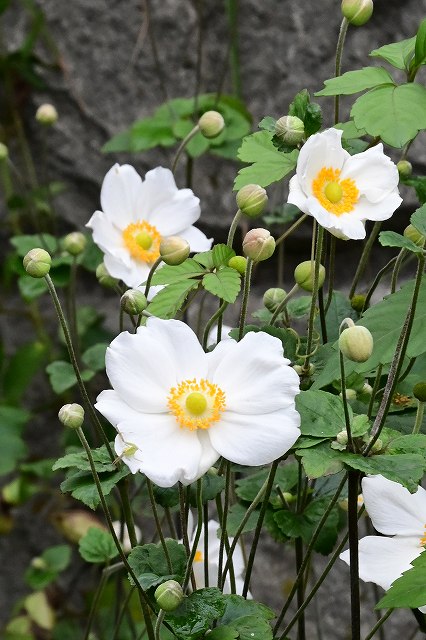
(419, 391)
(174, 250)
(356, 343)
(377, 446)
(4, 152)
(350, 395)
(71, 415)
(74, 243)
(258, 245)
(367, 389)
(46, 114)
(38, 563)
(133, 302)
(252, 200)
(104, 278)
(342, 437)
(290, 129)
(304, 275)
(239, 263)
(169, 595)
(273, 297)
(211, 124)
(357, 12)
(358, 302)
(405, 168)
(415, 236)
(37, 263)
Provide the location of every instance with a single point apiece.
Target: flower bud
(290, 129)
(239, 263)
(342, 437)
(169, 595)
(252, 200)
(258, 245)
(74, 524)
(37, 263)
(358, 302)
(273, 297)
(38, 563)
(74, 243)
(104, 278)
(299, 369)
(357, 12)
(133, 302)
(356, 343)
(419, 391)
(71, 415)
(4, 152)
(367, 389)
(174, 250)
(350, 395)
(211, 124)
(415, 236)
(405, 168)
(304, 275)
(46, 114)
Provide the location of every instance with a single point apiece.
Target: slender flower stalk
(311, 322)
(338, 63)
(246, 293)
(183, 144)
(233, 228)
(364, 257)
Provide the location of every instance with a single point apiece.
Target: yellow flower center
(198, 556)
(335, 195)
(423, 539)
(143, 241)
(196, 404)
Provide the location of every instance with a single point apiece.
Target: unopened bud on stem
(356, 343)
(252, 200)
(258, 245)
(211, 124)
(174, 250)
(357, 12)
(37, 263)
(46, 114)
(290, 129)
(169, 595)
(74, 243)
(71, 415)
(104, 277)
(239, 263)
(272, 298)
(133, 302)
(304, 275)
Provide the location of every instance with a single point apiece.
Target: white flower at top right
(342, 191)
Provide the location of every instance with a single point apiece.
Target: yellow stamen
(143, 241)
(335, 195)
(198, 556)
(196, 404)
(423, 539)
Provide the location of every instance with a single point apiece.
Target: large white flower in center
(178, 409)
(342, 191)
(136, 214)
(394, 511)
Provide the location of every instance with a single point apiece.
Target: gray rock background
(110, 78)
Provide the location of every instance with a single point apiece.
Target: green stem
(211, 322)
(246, 293)
(122, 612)
(158, 624)
(376, 281)
(223, 534)
(183, 144)
(375, 389)
(419, 416)
(331, 260)
(184, 527)
(283, 304)
(396, 269)
(197, 534)
(93, 417)
(345, 404)
(298, 544)
(258, 529)
(364, 257)
(338, 63)
(353, 488)
(106, 572)
(206, 544)
(150, 274)
(158, 525)
(309, 343)
(233, 228)
(123, 486)
(378, 624)
(232, 13)
(290, 230)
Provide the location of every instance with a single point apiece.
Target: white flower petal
(132, 274)
(119, 194)
(322, 150)
(255, 439)
(373, 172)
(197, 240)
(167, 453)
(392, 508)
(141, 370)
(254, 375)
(381, 210)
(107, 236)
(382, 560)
(113, 408)
(135, 460)
(346, 226)
(296, 195)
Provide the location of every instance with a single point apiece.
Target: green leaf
(419, 185)
(62, 376)
(196, 614)
(238, 607)
(143, 135)
(167, 302)
(97, 546)
(270, 165)
(31, 288)
(321, 413)
(21, 369)
(398, 54)
(12, 446)
(418, 219)
(82, 487)
(420, 46)
(302, 525)
(225, 283)
(385, 321)
(285, 478)
(393, 239)
(339, 309)
(268, 124)
(79, 460)
(235, 515)
(299, 307)
(349, 130)
(221, 255)
(52, 562)
(166, 497)
(212, 485)
(410, 589)
(94, 357)
(224, 633)
(150, 566)
(405, 468)
(412, 443)
(252, 628)
(171, 274)
(356, 81)
(320, 460)
(25, 243)
(395, 114)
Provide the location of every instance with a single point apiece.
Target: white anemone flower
(396, 512)
(213, 541)
(342, 191)
(136, 214)
(178, 409)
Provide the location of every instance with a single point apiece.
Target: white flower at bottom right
(395, 512)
